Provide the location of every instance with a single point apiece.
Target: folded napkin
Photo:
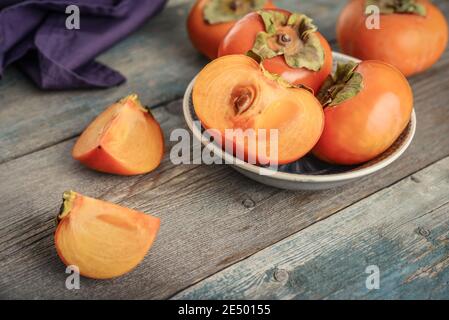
(33, 33)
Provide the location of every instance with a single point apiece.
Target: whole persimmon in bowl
(287, 43)
(308, 172)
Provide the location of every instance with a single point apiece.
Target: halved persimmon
(234, 92)
(210, 20)
(289, 45)
(125, 139)
(102, 239)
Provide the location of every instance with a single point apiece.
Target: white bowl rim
(296, 177)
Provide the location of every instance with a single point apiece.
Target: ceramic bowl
(308, 173)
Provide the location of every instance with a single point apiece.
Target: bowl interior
(308, 168)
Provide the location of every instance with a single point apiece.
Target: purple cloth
(33, 33)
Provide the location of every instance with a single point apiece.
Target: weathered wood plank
(158, 61)
(403, 230)
(205, 226)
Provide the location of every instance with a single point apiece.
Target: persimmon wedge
(234, 92)
(125, 139)
(102, 239)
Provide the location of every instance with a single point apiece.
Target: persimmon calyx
(134, 99)
(68, 197)
(220, 11)
(397, 6)
(293, 37)
(345, 84)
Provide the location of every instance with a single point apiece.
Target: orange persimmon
(235, 92)
(102, 239)
(210, 20)
(288, 44)
(124, 139)
(411, 35)
(366, 108)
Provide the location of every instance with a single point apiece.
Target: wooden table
(222, 235)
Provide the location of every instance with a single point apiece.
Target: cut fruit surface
(102, 239)
(234, 92)
(125, 139)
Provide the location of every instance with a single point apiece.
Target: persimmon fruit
(125, 139)
(366, 106)
(287, 43)
(210, 20)
(412, 34)
(234, 92)
(102, 239)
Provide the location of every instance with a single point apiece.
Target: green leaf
(397, 6)
(220, 11)
(345, 84)
(261, 47)
(303, 50)
(271, 20)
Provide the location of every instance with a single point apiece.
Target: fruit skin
(240, 39)
(295, 112)
(363, 127)
(410, 42)
(206, 37)
(125, 114)
(102, 239)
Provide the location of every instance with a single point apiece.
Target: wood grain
(158, 61)
(211, 216)
(403, 230)
(205, 224)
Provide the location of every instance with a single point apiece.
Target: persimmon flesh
(207, 32)
(125, 139)
(412, 40)
(234, 92)
(102, 239)
(309, 53)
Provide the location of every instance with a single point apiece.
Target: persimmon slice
(234, 92)
(102, 239)
(125, 139)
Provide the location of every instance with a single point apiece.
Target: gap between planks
(412, 176)
(403, 229)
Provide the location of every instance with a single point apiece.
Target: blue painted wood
(212, 217)
(403, 230)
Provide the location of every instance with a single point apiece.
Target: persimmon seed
(242, 103)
